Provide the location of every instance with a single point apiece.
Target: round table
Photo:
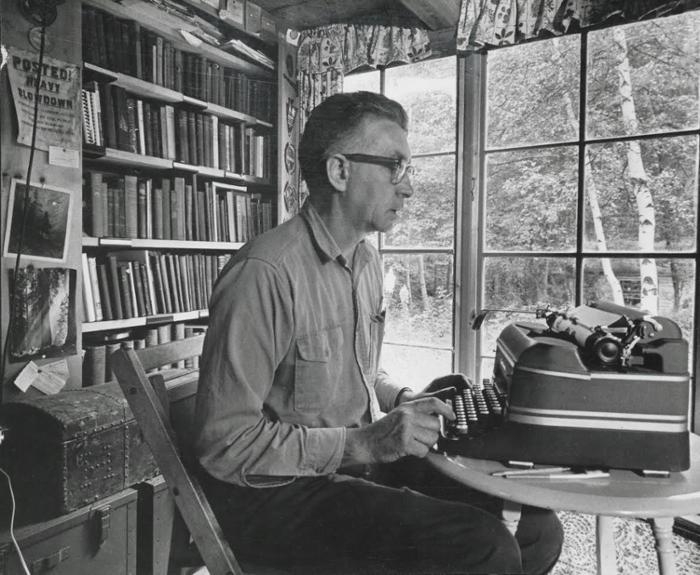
(624, 493)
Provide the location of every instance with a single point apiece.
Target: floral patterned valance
(500, 22)
(327, 53)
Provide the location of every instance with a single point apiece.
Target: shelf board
(153, 244)
(97, 326)
(122, 158)
(227, 114)
(169, 26)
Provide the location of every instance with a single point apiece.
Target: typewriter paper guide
(566, 405)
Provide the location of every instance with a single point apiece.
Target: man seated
(311, 456)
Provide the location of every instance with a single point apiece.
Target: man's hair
(334, 120)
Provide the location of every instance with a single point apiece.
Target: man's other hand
(412, 428)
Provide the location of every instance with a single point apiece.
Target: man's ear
(337, 172)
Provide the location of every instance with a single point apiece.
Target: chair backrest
(150, 400)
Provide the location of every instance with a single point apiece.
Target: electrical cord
(12, 524)
(25, 211)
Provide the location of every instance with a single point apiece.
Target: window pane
(418, 291)
(427, 90)
(643, 78)
(415, 367)
(427, 218)
(363, 81)
(533, 93)
(531, 199)
(669, 286)
(523, 283)
(642, 195)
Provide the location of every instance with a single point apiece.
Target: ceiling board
(302, 14)
(435, 14)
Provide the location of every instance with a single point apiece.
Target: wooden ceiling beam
(435, 14)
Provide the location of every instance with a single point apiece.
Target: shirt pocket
(316, 369)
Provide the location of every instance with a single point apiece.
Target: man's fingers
(431, 405)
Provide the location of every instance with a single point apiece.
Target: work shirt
(291, 356)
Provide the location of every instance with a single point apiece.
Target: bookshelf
(180, 165)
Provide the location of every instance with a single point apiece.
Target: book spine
(95, 288)
(105, 297)
(115, 284)
(88, 301)
(166, 186)
(158, 212)
(96, 202)
(132, 201)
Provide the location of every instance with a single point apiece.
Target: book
(141, 127)
(96, 204)
(115, 287)
(178, 194)
(170, 128)
(167, 208)
(158, 212)
(95, 288)
(127, 289)
(148, 135)
(105, 296)
(131, 199)
(139, 288)
(94, 362)
(141, 195)
(88, 301)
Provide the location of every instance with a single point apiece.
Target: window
(418, 253)
(589, 163)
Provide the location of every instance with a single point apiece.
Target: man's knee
(504, 555)
(541, 537)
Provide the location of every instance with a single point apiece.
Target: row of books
(129, 206)
(123, 46)
(97, 367)
(124, 122)
(124, 284)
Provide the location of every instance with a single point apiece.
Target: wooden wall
(62, 43)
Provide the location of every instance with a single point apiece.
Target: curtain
(500, 22)
(327, 53)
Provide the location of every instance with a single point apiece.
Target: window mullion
(471, 111)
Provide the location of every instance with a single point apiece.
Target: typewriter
(602, 386)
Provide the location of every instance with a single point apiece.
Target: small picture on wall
(46, 226)
(43, 313)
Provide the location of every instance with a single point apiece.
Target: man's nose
(405, 187)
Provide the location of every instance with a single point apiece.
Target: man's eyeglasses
(399, 167)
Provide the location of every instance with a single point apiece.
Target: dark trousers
(401, 518)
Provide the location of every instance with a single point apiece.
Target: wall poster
(58, 117)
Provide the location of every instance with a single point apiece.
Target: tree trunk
(596, 215)
(638, 178)
(421, 280)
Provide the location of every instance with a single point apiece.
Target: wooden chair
(149, 397)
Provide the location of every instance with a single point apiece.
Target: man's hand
(412, 428)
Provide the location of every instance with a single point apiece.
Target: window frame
(471, 189)
(384, 250)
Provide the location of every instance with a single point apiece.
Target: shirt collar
(326, 246)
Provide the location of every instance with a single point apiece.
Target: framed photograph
(48, 216)
(43, 314)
